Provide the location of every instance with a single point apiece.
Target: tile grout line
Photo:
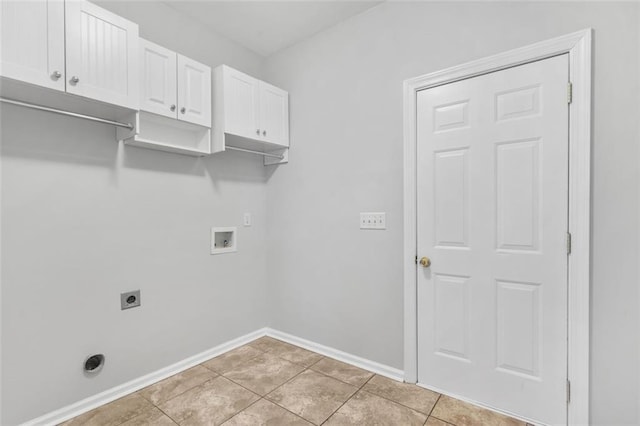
(348, 399)
(434, 405)
(177, 395)
(243, 410)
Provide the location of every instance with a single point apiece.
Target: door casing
(578, 45)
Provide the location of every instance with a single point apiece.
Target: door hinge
(568, 242)
(568, 391)
(569, 92)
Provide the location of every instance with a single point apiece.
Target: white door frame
(578, 46)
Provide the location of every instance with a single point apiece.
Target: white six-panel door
(492, 174)
(102, 54)
(158, 90)
(194, 92)
(32, 42)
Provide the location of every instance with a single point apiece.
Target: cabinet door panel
(241, 106)
(32, 42)
(158, 91)
(102, 53)
(274, 114)
(194, 92)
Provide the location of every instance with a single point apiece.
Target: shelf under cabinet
(168, 134)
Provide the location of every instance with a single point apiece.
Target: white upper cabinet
(102, 54)
(274, 114)
(32, 42)
(194, 92)
(247, 107)
(241, 108)
(158, 81)
(173, 85)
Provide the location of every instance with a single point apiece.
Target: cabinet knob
(183, 110)
(56, 75)
(258, 132)
(264, 133)
(74, 80)
(172, 107)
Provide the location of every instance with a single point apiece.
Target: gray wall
(342, 287)
(84, 219)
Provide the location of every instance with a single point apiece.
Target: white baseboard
(375, 367)
(87, 404)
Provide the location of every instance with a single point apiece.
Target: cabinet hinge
(416, 259)
(568, 391)
(569, 92)
(568, 242)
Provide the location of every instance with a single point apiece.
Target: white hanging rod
(266, 154)
(62, 112)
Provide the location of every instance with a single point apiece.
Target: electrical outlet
(373, 220)
(130, 299)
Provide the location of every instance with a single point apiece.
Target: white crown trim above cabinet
(52, 49)
(175, 103)
(249, 114)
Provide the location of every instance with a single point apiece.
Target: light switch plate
(375, 220)
(247, 219)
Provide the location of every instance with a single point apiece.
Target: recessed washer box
(223, 240)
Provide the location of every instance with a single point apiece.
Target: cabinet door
(194, 92)
(241, 106)
(274, 114)
(32, 42)
(158, 91)
(102, 54)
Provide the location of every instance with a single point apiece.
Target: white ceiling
(266, 27)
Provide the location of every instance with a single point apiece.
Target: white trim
(87, 404)
(374, 367)
(578, 46)
(80, 407)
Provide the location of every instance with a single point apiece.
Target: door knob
(183, 110)
(74, 80)
(425, 261)
(56, 75)
(258, 132)
(264, 133)
(172, 108)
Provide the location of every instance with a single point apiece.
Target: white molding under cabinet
(166, 134)
(249, 115)
(175, 103)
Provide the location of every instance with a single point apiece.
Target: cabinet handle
(74, 80)
(264, 133)
(56, 75)
(258, 132)
(183, 110)
(172, 107)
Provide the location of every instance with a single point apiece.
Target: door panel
(194, 92)
(274, 111)
(492, 179)
(32, 42)
(241, 103)
(158, 91)
(102, 54)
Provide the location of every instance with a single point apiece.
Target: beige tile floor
(269, 382)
